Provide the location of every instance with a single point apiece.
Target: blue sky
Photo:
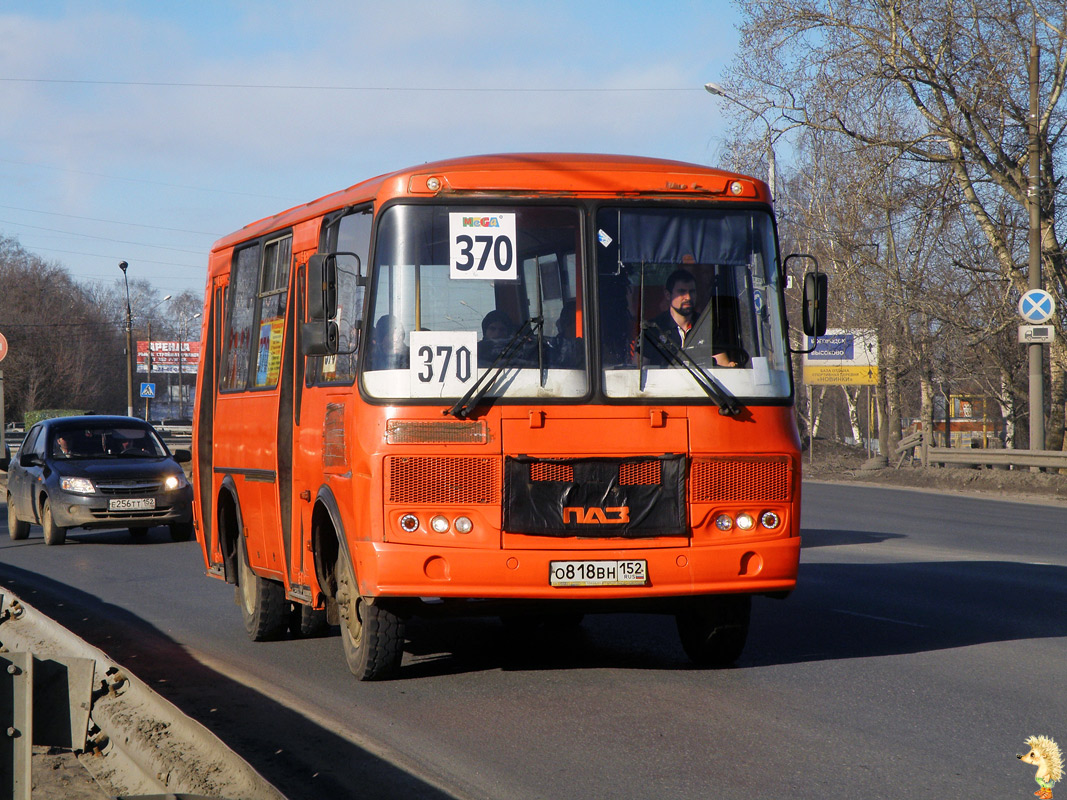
(144, 131)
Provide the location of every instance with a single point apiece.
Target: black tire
(181, 531)
(139, 533)
(305, 622)
(372, 636)
(713, 631)
(16, 528)
(264, 609)
(53, 534)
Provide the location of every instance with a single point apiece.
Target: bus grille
(713, 480)
(428, 479)
(556, 472)
(640, 473)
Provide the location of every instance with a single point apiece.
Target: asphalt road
(926, 641)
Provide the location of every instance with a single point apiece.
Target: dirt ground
(833, 461)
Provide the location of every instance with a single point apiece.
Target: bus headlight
(770, 520)
(409, 523)
(464, 525)
(439, 524)
(723, 522)
(745, 521)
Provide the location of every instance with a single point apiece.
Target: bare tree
(934, 83)
(64, 352)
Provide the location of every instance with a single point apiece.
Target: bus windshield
(460, 290)
(690, 297)
(687, 304)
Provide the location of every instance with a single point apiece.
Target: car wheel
(181, 531)
(307, 622)
(53, 534)
(714, 631)
(138, 533)
(264, 609)
(372, 636)
(16, 528)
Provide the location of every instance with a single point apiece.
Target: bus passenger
(497, 330)
(564, 348)
(387, 350)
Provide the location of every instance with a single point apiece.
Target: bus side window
(237, 337)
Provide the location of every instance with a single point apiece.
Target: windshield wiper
(727, 403)
(474, 395)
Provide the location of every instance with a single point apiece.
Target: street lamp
(129, 343)
(714, 88)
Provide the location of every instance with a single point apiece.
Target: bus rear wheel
(713, 630)
(306, 622)
(264, 608)
(372, 636)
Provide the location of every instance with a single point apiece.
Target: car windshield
(459, 291)
(106, 441)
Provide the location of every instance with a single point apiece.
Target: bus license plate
(632, 572)
(131, 504)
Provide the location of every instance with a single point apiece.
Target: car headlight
(77, 485)
(175, 482)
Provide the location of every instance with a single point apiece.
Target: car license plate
(632, 572)
(131, 504)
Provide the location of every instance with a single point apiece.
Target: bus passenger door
(203, 463)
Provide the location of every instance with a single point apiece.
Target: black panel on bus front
(595, 497)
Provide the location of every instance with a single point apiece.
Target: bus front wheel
(713, 630)
(264, 608)
(372, 636)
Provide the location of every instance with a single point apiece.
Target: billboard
(165, 357)
(842, 358)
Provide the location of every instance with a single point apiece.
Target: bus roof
(522, 174)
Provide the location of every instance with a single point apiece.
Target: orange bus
(532, 385)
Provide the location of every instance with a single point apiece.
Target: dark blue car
(97, 472)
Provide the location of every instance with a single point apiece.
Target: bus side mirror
(322, 286)
(319, 336)
(815, 297)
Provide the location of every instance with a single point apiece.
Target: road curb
(147, 745)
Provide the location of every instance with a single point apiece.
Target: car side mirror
(183, 456)
(30, 460)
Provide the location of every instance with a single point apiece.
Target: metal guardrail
(1047, 459)
(975, 457)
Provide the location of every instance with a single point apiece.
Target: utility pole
(129, 343)
(1033, 192)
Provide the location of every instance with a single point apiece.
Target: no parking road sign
(1037, 306)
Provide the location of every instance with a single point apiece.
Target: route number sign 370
(482, 246)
